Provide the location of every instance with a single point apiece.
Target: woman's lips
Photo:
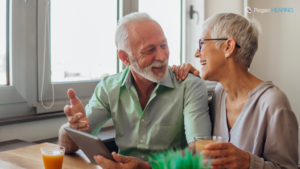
(202, 63)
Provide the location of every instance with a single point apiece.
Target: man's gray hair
(121, 37)
(244, 31)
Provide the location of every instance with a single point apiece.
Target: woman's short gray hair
(244, 31)
(121, 36)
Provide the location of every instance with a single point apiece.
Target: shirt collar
(128, 78)
(166, 82)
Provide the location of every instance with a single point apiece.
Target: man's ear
(230, 46)
(123, 56)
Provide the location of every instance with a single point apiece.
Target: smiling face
(212, 59)
(150, 52)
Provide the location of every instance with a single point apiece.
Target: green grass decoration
(174, 159)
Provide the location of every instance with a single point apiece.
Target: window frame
(7, 40)
(17, 97)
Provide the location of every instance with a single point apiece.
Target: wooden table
(31, 158)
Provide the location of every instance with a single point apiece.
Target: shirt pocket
(168, 136)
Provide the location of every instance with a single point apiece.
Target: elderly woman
(254, 117)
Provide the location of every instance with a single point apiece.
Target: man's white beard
(147, 72)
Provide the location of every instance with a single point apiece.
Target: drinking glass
(53, 156)
(202, 141)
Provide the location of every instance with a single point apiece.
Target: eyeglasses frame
(216, 39)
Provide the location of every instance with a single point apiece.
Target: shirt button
(143, 120)
(141, 141)
(143, 156)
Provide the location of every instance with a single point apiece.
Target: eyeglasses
(214, 39)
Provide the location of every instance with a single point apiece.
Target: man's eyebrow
(149, 46)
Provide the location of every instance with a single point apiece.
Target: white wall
(278, 58)
(36, 130)
(219, 6)
(32, 131)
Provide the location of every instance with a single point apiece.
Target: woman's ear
(123, 56)
(230, 46)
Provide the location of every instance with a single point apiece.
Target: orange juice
(53, 157)
(200, 144)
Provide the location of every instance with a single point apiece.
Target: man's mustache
(159, 63)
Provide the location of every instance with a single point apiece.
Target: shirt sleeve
(97, 110)
(281, 146)
(196, 115)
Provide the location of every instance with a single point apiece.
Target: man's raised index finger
(72, 96)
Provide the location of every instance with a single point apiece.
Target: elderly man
(150, 109)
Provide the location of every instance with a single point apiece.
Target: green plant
(177, 159)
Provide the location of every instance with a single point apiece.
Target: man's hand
(122, 162)
(76, 113)
(182, 71)
(230, 156)
(77, 120)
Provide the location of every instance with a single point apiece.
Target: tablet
(89, 144)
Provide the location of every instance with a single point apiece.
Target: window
(76, 49)
(82, 43)
(3, 42)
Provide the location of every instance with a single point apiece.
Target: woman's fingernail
(182, 77)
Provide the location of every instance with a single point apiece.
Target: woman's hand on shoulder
(181, 71)
(228, 156)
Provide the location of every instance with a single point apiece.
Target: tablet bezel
(89, 144)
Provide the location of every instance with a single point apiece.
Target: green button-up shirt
(174, 115)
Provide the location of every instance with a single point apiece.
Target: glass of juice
(53, 156)
(202, 141)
